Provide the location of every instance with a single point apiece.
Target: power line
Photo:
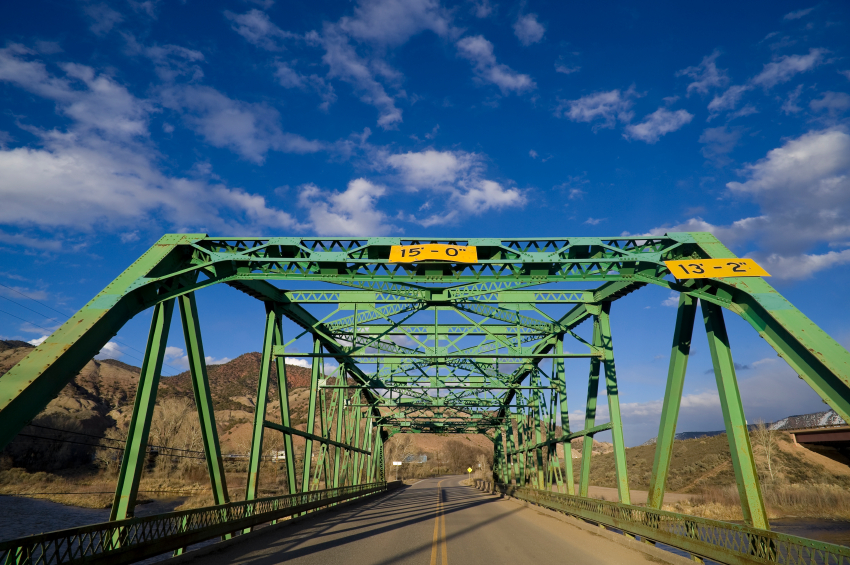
(112, 439)
(66, 317)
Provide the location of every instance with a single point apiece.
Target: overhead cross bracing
(432, 346)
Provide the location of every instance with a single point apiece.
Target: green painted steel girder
(462, 363)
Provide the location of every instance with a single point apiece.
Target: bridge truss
(431, 347)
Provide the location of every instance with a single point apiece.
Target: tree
(765, 439)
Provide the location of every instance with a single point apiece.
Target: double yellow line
(439, 519)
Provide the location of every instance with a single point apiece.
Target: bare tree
(765, 439)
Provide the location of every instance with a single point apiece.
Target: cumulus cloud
(479, 52)
(110, 351)
(607, 107)
(784, 68)
(256, 27)
(289, 77)
(833, 103)
(657, 124)
(706, 75)
(101, 171)
(393, 22)
(251, 130)
(351, 212)
(458, 177)
(803, 191)
(38, 340)
(528, 30)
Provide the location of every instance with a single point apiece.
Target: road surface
(436, 522)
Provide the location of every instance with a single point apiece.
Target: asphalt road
(436, 522)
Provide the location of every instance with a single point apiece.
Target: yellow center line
(438, 519)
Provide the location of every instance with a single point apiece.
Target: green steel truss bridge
(428, 347)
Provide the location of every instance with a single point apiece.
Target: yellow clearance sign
(715, 268)
(433, 252)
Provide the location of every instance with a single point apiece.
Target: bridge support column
(536, 410)
(672, 399)
(311, 414)
(340, 414)
(283, 396)
(203, 398)
(133, 460)
(743, 463)
(560, 377)
(256, 455)
(613, 394)
(590, 410)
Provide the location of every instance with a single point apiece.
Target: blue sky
(124, 120)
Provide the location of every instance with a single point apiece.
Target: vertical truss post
(682, 336)
(509, 445)
(256, 456)
(536, 420)
(339, 429)
(203, 398)
(613, 394)
(743, 463)
(311, 413)
(283, 396)
(133, 460)
(590, 410)
(358, 416)
(380, 464)
(560, 377)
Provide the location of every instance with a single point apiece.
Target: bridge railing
(723, 542)
(135, 539)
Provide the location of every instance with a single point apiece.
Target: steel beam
(743, 463)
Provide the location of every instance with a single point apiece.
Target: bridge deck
(401, 528)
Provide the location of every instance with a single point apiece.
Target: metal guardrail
(724, 542)
(135, 539)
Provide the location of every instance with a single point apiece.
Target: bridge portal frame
(496, 299)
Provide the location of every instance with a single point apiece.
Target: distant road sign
(469, 470)
(397, 463)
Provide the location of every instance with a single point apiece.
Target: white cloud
(103, 18)
(251, 130)
(458, 175)
(210, 360)
(706, 75)
(256, 27)
(803, 192)
(393, 22)
(718, 143)
(432, 169)
(170, 61)
(351, 212)
(532, 153)
(482, 8)
(789, 106)
(564, 69)
(298, 362)
(672, 300)
(289, 77)
(110, 351)
(94, 102)
(344, 63)
(798, 14)
(605, 106)
(833, 103)
(102, 173)
(594, 221)
(784, 68)
(479, 52)
(38, 340)
(528, 30)
(657, 124)
(728, 100)
(846, 74)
